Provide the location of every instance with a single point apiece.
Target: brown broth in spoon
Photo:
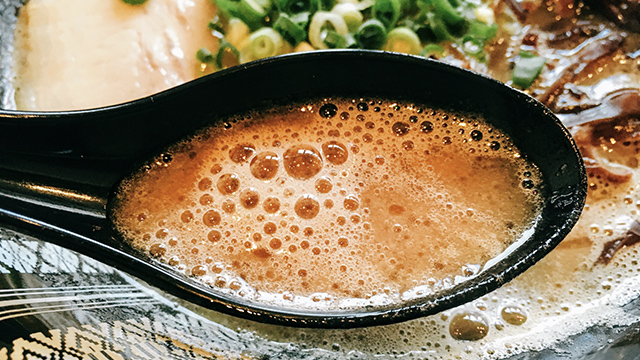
(334, 202)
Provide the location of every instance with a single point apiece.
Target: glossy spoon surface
(58, 171)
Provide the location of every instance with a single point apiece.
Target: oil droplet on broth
(388, 209)
(469, 326)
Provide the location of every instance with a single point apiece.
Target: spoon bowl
(59, 170)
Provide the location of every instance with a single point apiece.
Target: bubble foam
(394, 200)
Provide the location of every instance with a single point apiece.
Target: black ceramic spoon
(58, 169)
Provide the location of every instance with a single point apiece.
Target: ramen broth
(564, 306)
(333, 200)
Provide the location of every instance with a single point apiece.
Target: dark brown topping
(618, 104)
(588, 59)
(530, 39)
(625, 13)
(572, 37)
(518, 10)
(631, 237)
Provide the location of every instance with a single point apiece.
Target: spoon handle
(58, 169)
(50, 179)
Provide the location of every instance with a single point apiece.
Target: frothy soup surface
(333, 201)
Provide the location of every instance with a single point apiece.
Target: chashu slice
(64, 49)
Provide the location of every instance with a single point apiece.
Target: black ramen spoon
(58, 170)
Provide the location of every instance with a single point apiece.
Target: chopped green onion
(439, 28)
(333, 40)
(266, 4)
(321, 22)
(527, 68)
(432, 50)
(227, 55)
(290, 31)
(264, 43)
(481, 31)
(228, 7)
(134, 2)
(447, 12)
(204, 55)
(351, 15)
(322, 5)
(422, 29)
(403, 40)
(387, 12)
(351, 41)
(371, 34)
(251, 12)
(360, 4)
(407, 6)
(424, 5)
(454, 3)
(301, 19)
(473, 47)
(216, 24)
(294, 6)
(237, 33)
(392, 25)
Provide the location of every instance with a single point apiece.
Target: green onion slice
(432, 50)
(134, 2)
(251, 12)
(351, 15)
(228, 7)
(447, 12)
(333, 40)
(322, 5)
(301, 19)
(473, 47)
(321, 22)
(264, 43)
(387, 11)
(289, 30)
(481, 31)
(403, 40)
(204, 55)
(527, 68)
(359, 4)
(218, 24)
(371, 34)
(293, 6)
(351, 41)
(439, 28)
(227, 55)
